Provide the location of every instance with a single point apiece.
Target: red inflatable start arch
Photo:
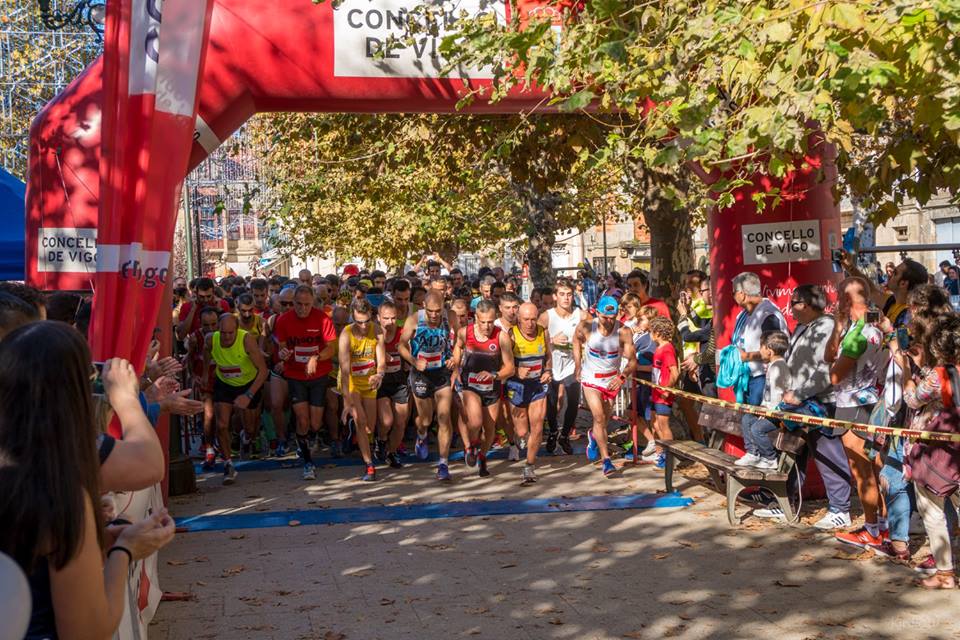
(293, 55)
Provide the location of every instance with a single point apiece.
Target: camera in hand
(873, 317)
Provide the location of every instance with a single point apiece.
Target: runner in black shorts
(426, 344)
(485, 356)
(393, 395)
(307, 341)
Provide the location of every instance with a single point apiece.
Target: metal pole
(196, 221)
(187, 229)
(606, 268)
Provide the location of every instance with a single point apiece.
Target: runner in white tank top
(563, 401)
(598, 347)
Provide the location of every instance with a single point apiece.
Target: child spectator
(760, 451)
(644, 344)
(666, 373)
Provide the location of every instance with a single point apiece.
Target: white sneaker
(748, 460)
(650, 458)
(308, 472)
(649, 450)
(514, 454)
(773, 513)
(832, 521)
(766, 463)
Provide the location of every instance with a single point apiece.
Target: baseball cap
(608, 306)
(351, 270)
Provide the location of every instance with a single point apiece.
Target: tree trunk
(539, 209)
(671, 236)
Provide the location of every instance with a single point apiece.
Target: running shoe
(380, 451)
(608, 467)
(771, 513)
(747, 460)
(422, 448)
(887, 549)
(229, 473)
(563, 445)
(309, 473)
(209, 461)
(370, 475)
(245, 446)
(281, 450)
(529, 475)
(514, 454)
(661, 462)
(861, 538)
(482, 466)
(393, 461)
(443, 473)
(336, 449)
(650, 449)
(833, 520)
(552, 445)
(470, 457)
(593, 449)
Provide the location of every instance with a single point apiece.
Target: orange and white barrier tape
(912, 434)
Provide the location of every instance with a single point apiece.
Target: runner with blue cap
(599, 347)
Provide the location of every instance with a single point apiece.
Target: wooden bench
(725, 475)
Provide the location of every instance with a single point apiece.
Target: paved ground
(653, 573)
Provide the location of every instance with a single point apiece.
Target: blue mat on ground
(270, 464)
(351, 515)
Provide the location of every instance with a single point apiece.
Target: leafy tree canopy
(732, 85)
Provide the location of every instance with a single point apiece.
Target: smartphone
(98, 380)
(903, 338)
(873, 317)
(836, 257)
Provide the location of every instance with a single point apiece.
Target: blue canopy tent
(12, 227)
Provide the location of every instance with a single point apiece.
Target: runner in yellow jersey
(240, 373)
(527, 390)
(363, 361)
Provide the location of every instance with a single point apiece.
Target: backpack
(936, 465)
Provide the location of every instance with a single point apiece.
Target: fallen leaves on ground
(508, 565)
(232, 571)
(238, 536)
(661, 556)
(781, 583)
(866, 554)
(293, 523)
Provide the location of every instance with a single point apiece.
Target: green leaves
(580, 100)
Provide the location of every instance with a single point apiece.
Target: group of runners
(367, 353)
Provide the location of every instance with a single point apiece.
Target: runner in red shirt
(639, 283)
(189, 312)
(307, 341)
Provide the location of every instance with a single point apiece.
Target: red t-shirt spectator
(185, 311)
(663, 358)
(306, 338)
(659, 305)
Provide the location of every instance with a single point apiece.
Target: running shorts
(226, 394)
(397, 390)
(425, 384)
(521, 393)
(608, 395)
(312, 391)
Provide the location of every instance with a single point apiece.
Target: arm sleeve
(700, 335)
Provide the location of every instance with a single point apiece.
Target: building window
(233, 224)
(211, 228)
(903, 234)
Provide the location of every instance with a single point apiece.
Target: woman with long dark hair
(49, 468)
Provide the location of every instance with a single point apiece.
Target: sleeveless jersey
(531, 354)
(234, 366)
(394, 369)
(363, 358)
(480, 356)
(563, 364)
(601, 357)
(257, 330)
(431, 344)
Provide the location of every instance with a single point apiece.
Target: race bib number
(303, 354)
(434, 359)
(479, 385)
(393, 363)
(231, 372)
